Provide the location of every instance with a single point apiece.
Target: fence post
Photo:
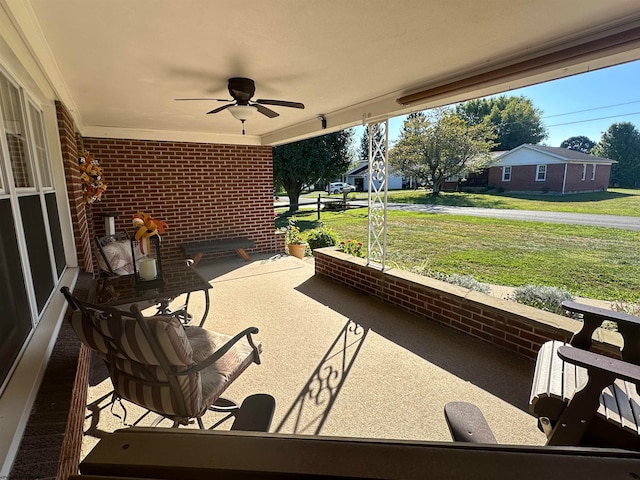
(319, 195)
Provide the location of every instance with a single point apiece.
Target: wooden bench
(584, 398)
(195, 250)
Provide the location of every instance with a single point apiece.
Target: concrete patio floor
(340, 363)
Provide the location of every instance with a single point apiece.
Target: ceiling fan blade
(219, 109)
(281, 103)
(208, 99)
(266, 111)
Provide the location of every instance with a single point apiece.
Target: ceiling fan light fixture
(242, 112)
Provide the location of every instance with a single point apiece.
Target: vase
(297, 250)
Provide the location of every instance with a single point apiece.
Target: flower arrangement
(352, 248)
(91, 176)
(292, 234)
(147, 227)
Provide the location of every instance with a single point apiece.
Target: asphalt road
(610, 221)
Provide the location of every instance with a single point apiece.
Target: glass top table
(178, 278)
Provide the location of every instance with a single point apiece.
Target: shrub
(466, 281)
(322, 237)
(539, 296)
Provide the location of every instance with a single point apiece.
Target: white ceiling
(121, 63)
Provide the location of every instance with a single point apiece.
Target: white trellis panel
(378, 184)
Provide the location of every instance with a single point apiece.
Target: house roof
(359, 170)
(118, 65)
(557, 154)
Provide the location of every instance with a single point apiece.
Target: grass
(615, 201)
(592, 262)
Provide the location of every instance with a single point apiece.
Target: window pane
(16, 138)
(15, 317)
(40, 147)
(56, 232)
(37, 248)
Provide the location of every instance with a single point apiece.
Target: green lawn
(615, 201)
(591, 262)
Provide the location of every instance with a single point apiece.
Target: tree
(516, 121)
(621, 142)
(440, 145)
(310, 161)
(579, 144)
(363, 152)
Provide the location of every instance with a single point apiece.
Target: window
(506, 174)
(32, 256)
(41, 153)
(584, 172)
(593, 172)
(541, 173)
(15, 131)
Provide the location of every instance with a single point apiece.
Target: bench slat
(554, 378)
(197, 249)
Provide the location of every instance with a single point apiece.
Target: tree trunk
(294, 201)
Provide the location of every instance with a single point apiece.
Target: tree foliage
(621, 142)
(439, 145)
(318, 159)
(579, 143)
(515, 119)
(363, 151)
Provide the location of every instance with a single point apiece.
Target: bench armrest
(601, 364)
(628, 326)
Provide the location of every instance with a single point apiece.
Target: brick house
(537, 168)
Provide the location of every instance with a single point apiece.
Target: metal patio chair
(156, 362)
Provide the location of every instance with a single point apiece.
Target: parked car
(339, 187)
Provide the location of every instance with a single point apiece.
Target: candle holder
(147, 264)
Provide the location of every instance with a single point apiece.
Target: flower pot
(297, 250)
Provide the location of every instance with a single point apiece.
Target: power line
(591, 109)
(593, 119)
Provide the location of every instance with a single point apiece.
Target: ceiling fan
(242, 90)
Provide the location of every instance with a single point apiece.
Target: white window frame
(593, 172)
(541, 173)
(584, 172)
(506, 174)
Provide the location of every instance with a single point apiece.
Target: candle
(147, 268)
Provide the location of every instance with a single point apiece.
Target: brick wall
(203, 191)
(509, 325)
(576, 184)
(523, 178)
(81, 222)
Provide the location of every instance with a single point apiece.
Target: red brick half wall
(506, 324)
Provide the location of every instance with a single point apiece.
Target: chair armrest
(219, 353)
(628, 326)
(601, 364)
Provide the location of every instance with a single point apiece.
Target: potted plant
(293, 239)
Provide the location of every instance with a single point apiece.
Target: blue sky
(608, 95)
